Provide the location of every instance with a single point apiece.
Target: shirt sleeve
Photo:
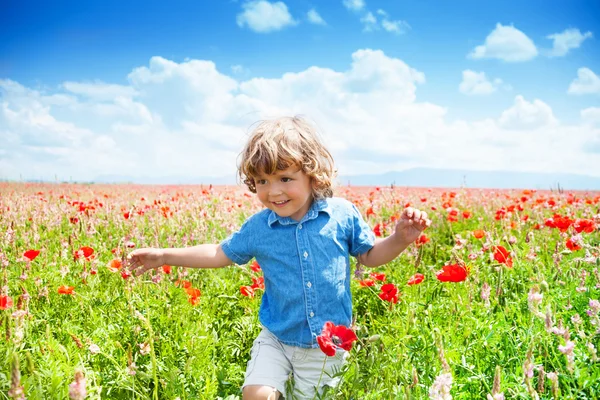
(362, 238)
(238, 246)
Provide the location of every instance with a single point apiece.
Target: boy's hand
(410, 225)
(142, 260)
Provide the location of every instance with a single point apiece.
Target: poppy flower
(125, 274)
(366, 282)
(114, 265)
(247, 291)
(416, 279)
(584, 225)
(66, 290)
(452, 273)
(502, 256)
(255, 266)
(31, 254)
(478, 233)
(193, 295)
(572, 245)
(333, 336)
(422, 240)
(258, 283)
(389, 292)
(85, 252)
(377, 230)
(166, 269)
(183, 284)
(5, 302)
(377, 276)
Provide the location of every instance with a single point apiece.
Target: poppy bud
(374, 338)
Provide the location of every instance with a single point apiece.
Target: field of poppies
(498, 299)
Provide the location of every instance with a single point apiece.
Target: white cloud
(476, 83)
(372, 23)
(354, 5)
(587, 82)
(566, 40)
(398, 27)
(99, 90)
(506, 43)
(264, 17)
(591, 116)
(314, 17)
(524, 115)
(190, 119)
(369, 22)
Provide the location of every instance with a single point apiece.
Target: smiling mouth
(280, 203)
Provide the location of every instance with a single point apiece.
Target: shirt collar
(312, 213)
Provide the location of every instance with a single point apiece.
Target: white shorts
(272, 362)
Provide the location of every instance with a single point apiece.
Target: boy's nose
(275, 190)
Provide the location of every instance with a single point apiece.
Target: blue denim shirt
(306, 266)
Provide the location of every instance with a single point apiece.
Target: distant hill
(421, 177)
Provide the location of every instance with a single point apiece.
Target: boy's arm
(410, 225)
(201, 256)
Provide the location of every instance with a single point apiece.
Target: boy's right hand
(142, 260)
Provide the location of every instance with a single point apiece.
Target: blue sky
(438, 83)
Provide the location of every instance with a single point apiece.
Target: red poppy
(366, 282)
(416, 279)
(66, 290)
(85, 252)
(502, 256)
(452, 273)
(31, 254)
(183, 284)
(466, 214)
(377, 276)
(247, 291)
(114, 265)
(422, 240)
(126, 215)
(377, 230)
(573, 246)
(559, 222)
(255, 266)
(258, 283)
(478, 233)
(166, 269)
(73, 220)
(5, 302)
(125, 274)
(584, 225)
(333, 336)
(193, 295)
(389, 292)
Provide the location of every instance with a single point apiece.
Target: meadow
(499, 299)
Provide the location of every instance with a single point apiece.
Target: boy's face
(288, 192)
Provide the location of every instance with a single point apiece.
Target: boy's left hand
(411, 224)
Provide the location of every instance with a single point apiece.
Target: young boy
(302, 241)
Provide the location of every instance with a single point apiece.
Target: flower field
(498, 299)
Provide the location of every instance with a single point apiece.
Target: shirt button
(305, 254)
(312, 314)
(308, 284)
(300, 226)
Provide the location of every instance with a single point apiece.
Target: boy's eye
(286, 179)
(261, 181)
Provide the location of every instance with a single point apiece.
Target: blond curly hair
(278, 144)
